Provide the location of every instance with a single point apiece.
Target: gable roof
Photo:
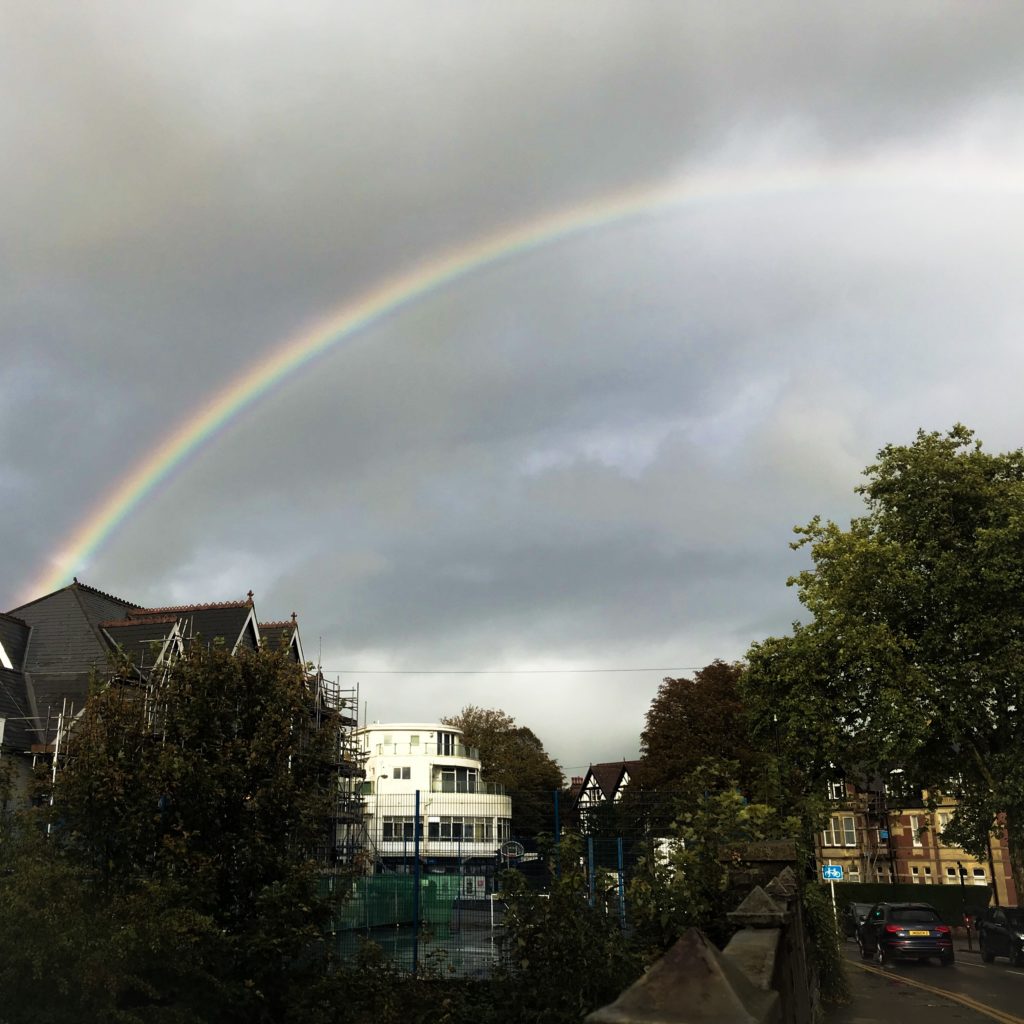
(143, 642)
(229, 622)
(609, 776)
(277, 636)
(57, 643)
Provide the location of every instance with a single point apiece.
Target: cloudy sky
(587, 456)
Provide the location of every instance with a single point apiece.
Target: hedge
(951, 901)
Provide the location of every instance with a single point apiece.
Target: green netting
(388, 900)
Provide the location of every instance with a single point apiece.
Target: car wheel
(986, 954)
(1018, 958)
(864, 954)
(881, 957)
(948, 960)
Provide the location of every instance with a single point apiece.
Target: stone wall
(763, 976)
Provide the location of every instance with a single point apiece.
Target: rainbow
(441, 271)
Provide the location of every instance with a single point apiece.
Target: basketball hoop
(511, 850)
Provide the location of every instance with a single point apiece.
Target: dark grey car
(1001, 933)
(905, 931)
(852, 918)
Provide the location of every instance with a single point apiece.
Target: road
(994, 991)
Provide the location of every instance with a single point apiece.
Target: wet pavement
(915, 993)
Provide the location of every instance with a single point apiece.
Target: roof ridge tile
(142, 613)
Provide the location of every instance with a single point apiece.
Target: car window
(998, 917)
(914, 914)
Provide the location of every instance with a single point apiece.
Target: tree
(197, 807)
(514, 757)
(686, 883)
(915, 647)
(693, 720)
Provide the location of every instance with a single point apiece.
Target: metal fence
(432, 865)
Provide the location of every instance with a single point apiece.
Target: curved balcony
(466, 786)
(430, 749)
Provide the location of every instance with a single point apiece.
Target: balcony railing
(466, 786)
(430, 749)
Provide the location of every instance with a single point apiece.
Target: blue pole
(558, 838)
(416, 886)
(590, 869)
(622, 890)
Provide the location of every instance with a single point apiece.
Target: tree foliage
(513, 756)
(693, 720)
(915, 647)
(181, 839)
(686, 881)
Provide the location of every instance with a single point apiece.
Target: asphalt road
(968, 991)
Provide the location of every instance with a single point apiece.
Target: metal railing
(467, 786)
(430, 749)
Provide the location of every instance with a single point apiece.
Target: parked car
(1001, 933)
(905, 931)
(852, 917)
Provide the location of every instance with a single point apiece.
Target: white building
(463, 819)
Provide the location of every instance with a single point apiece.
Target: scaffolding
(345, 848)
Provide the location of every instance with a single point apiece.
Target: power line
(500, 671)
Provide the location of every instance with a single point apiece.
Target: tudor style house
(53, 647)
(463, 820)
(605, 782)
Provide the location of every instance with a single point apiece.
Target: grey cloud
(592, 452)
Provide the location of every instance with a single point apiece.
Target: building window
(854, 871)
(414, 741)
(366, 788)
(401, 772)
(840, 831)
(392, 829)
(943, 818)
(461, 829)
(979, 876)
(951, 878)
(837, 790)
(447, 743)
(457, 780)
(915, 829)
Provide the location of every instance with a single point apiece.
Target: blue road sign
(832, 872)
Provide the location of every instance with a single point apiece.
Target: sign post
(833, 873)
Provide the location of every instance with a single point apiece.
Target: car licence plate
(918, 933)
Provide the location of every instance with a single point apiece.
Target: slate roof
(143, 643)
(276, 636)
(64, 646)
(226, 621)
(58, 642)
(14, 634)
(15, 708)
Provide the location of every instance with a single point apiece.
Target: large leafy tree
(914, 652)
(513, 756)
(197, 809)
(691, 721)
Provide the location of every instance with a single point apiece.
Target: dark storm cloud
(593, 453)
